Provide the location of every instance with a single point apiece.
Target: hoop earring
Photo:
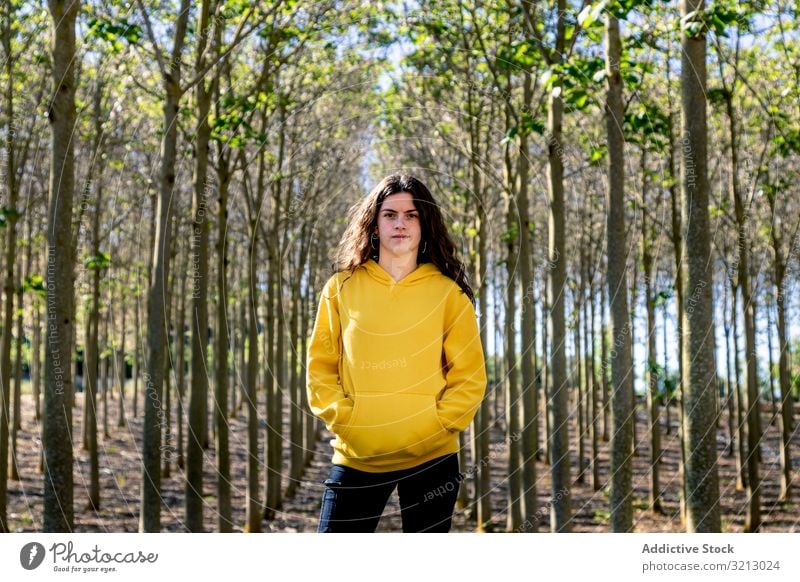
(372, 240)
(424, 246)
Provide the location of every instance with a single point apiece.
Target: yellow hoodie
(395, 369)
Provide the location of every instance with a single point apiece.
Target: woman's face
(398, 225)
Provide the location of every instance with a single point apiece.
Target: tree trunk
(254, 509)
(786, 412)
(634, 303)
(676, 235)
(604, 366)
(546, 402)
(36, 372)
(296, 407)
(90, 383)
(17, 426)
(166, 420)
(10, 248)
(276, 341)
(121, 362)
(137, 350)
(295, 420)
(36, 360)
(224, 518)
(622, 404)
(74, 360)
(741, 427)
(91, 366)
(591, 377)
(702, 494)
(198, 395)
(651, 370)
(243, 331)
(729, 380)
(560, 509)
(253, 518)
(105, 364)
(180, 347)
(581, 384)
(150, 513)
(770, 370)
(513, 407)
(57, 433)
(481, 424)
(309, 436)
(753, 517)
(667, 392)
(498, 360)
(530, 437)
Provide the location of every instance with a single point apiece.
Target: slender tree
(786, 414)
(57, 432)
(221, 348)
(560, 509)
(198, 394)
(621, 364)
(12, 192)
(702, 495)
(150, 514)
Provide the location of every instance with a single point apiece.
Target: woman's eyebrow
(393, 210)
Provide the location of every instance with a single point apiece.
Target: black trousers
(354, 500)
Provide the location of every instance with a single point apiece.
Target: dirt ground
(120, 475)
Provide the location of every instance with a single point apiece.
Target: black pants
(354, 500)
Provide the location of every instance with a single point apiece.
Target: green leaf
(100, 261)
(10, 214)
(579, 99)
(590, 15)
(598, 154)
(524, 56)
(35, 284)
(531, 124)
(717, 95)
(111, 32)
(510, 235)
(510, 135)
(715, 211)
(663, 296)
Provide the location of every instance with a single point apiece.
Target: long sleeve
(465, 373)
(326, 397)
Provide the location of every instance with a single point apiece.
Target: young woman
(395, 363)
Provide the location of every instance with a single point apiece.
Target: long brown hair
(355, 249)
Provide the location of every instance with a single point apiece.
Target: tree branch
(151, 35)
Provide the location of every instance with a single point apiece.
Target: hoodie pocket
(393, 426)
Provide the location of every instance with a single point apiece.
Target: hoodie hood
(422, 272)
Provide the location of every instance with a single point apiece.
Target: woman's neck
(398, 267)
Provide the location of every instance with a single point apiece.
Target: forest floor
(121, 474)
